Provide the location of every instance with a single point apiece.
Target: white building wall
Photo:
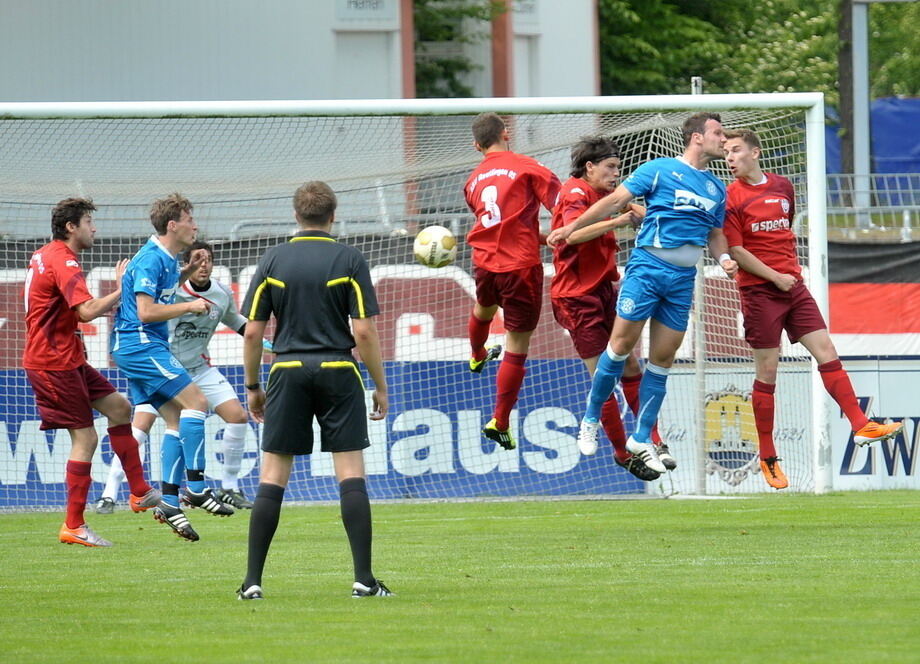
(133, 50)
(554, 50)
(561, 38)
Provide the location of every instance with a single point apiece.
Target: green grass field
(779, 578)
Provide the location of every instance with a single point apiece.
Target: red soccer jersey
(581, 268)
(55, 285)
(505, 193)
(759, 218)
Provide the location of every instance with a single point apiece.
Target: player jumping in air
(66, 387)
(140, 348)
(583, 290)
(189, 337)
(505, 193)
(774, 298)
(685, 211)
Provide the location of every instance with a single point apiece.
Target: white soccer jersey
(190, 334)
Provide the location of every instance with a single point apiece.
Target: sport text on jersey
(495, 172)
(185, 330)
(688, 200)
(781, 224)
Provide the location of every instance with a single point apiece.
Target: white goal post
(398, 165)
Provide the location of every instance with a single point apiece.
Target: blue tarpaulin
(895, 127)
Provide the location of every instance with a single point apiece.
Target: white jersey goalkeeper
(189, 337)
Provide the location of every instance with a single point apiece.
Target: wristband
(254, 386)
(724, 257)
(267, 345)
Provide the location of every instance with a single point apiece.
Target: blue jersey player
(685, 209)
(140, 348)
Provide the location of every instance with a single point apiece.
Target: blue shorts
(153, 374)
(653, 288)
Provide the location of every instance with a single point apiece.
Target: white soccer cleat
(647, 453)
(587, 437)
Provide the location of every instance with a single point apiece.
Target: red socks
(838, 385)
(763, 403)
(630, 386)
(125, 447)
(478, 331)
(613, 427)
(78, 480)
(508, 385)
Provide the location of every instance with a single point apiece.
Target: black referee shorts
(328, 387)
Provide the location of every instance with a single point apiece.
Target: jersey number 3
(493, 214)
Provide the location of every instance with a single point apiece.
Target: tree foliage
(652, 47)
(655, 46)
(784, 46)
(894, 49)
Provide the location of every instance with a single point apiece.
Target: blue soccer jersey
(155, 272)
(682, 203)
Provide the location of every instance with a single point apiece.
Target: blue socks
(608, 372)
(191, 432)
(652, 389)
(171, 459)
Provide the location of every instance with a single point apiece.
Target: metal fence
(882, 207)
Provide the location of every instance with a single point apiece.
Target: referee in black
(312, 285)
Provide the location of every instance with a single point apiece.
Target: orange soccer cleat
(874, 431)
(145, 502)
(81, 535)
(773, 473)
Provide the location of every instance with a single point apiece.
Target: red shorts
(519, 293)
(65, 398)
(588, 318)
(768, 311)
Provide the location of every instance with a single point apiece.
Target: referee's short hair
(314, 203)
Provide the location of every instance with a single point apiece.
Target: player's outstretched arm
(718, 248)
(603, 209)
(368, 342)
(152, 312)
(92, 309)
(750, 263)
(596, 230)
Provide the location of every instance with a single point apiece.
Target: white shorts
(216, 388)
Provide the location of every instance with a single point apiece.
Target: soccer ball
(435, 246)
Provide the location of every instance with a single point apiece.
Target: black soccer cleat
(175, 519)
(637, 467)
(234, 498)
(206, 501)
(500, 436)
(376, 590)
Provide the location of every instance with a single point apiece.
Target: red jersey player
(505, 193)
(583, 291)
(66, 387)
(758, 218)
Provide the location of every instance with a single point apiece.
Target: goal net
(396, 168)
